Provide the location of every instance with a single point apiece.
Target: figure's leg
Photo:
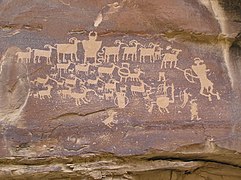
(215, 94)
(160, 110)
(192, 117)
(162, 64)
(206, 95)
(166, 110)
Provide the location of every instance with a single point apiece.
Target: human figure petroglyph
(121, 100)
(163, 98)
(131, 51)
(107, 52)
(24, 56)
(200, 70)
(148, 52)
(194, 110)
(162, 76)
(163, 101)
(110, 121)
(184, 97)
(170, 58)
(91, 47)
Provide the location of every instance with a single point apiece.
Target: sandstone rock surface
(120, 89)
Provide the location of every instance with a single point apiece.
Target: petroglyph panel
(111, 86)
(118, 74)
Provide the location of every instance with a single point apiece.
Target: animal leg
(87, 100)
(175, 65)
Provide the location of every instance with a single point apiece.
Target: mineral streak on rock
(123, 89)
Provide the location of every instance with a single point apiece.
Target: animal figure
(148, 52)
(138, 89)
(45, 93)
(66, 49)
(81, 96)
(107, 52)
(171, 58)
(135, 76)
(59, 84)
(110, 120)
(184, 97)
(94, 81)
(82, 68)
(72, 82)
(63, 67)
(109, 95)
(64, 93)
(24, 56)
(131, 51)
(111, 85)
(42, 81)
(38, 53)
(107, 70)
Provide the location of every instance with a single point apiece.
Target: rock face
(120, 89)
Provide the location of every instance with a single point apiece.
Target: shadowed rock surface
(73, 108)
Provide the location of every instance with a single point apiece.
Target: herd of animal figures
(107, 73)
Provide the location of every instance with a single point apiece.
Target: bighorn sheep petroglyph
(24, 56)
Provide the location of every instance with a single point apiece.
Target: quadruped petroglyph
(83, 71)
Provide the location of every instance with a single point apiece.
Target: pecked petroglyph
(115, 74)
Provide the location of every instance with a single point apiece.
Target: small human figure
(162, 76)
(194, 110)
(185, 97)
